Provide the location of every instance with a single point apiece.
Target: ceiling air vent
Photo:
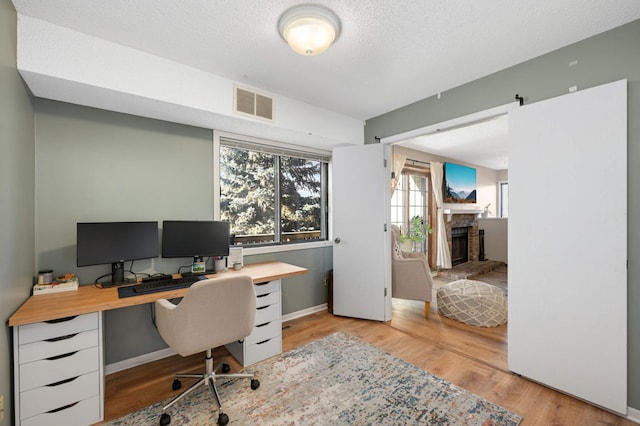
(253, 104)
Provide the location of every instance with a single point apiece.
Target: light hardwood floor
(472, 358)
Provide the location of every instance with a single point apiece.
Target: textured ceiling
(389, 53)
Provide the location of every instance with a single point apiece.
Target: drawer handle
(65, 319)
(55, 410)
(264, 283)
(263, 295)
(53, 358)
(62, 382)
(57, 339)
(264, 341)
(263, 307)
(262, 325)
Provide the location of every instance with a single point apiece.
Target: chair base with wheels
(208, 378)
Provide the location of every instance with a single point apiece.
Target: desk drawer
(56, 328)
(262, 350)
(47, 371)
(47, 398)
(265, 339)
(58, 346)
(268, 287)
(267, 314)
(264, 332)
(83, 413)
(267, 299)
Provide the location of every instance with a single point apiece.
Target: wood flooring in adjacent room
(470, 357)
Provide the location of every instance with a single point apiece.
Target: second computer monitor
(197, 239)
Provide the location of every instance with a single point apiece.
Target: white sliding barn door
(361, 251)
(568, 244)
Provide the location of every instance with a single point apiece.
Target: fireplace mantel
(450, 211)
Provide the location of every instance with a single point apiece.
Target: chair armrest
(411, 278)
(165, 304)
(414, 265)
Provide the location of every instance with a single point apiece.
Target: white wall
(495, 238)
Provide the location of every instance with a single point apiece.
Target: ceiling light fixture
(309, 29)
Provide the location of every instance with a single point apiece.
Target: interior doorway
(478, 140)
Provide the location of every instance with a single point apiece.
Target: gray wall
(17, 171)
(601, 59)
(96, 165)
(303, 291)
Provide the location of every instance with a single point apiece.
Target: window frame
(280, 149)
(418, 168)
(499, 213)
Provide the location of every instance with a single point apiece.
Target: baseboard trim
(633, 414)
(304, 312)
(138, 360)
(167, 352)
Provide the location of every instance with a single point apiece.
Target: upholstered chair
(410, 273)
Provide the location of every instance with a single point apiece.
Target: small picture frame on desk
(199, 267)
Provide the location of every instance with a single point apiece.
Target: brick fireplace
(462, 235)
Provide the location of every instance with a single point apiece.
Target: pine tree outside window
(272, 195)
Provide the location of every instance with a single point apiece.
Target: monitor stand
(117, 275)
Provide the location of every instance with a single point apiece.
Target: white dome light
(309, 29)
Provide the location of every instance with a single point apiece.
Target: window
(410, 199)
(503, 199)
(272, 195)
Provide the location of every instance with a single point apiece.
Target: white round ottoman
(472, 302)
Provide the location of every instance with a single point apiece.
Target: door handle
(337, 241)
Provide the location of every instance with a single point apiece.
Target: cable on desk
(184, 266)
(98, 284)
(135, 276)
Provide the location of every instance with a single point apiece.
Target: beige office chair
(212, 313)
(410, 273)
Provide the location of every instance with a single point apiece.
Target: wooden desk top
(88, 298)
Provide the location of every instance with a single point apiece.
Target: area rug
(337, 380)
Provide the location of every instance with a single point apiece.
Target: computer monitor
(196, 239)
(101, 243)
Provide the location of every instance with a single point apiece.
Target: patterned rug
(336, 380)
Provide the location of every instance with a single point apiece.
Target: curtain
(397, 166)
(443, 255)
